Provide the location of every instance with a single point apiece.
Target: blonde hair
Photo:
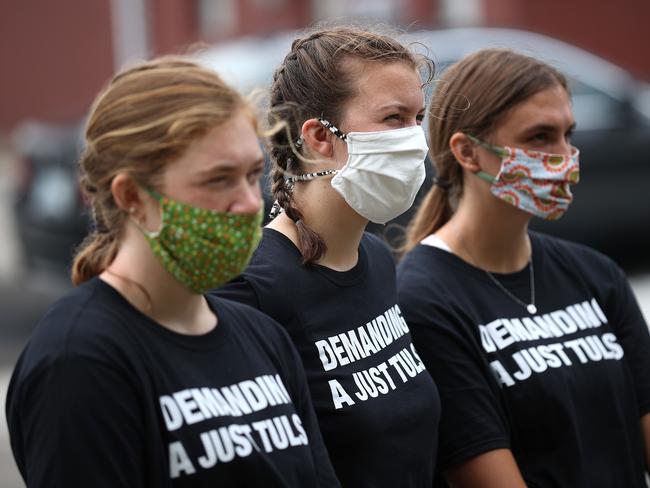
(146, 117)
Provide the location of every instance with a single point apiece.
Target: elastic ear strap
(485, 177)
(153, 193)
(499, 151)
(289, 178)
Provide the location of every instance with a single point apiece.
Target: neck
(490, 237)
(138, 275)
(327, 214)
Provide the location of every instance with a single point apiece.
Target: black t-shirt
(377, 406)
(564, 388)
(103, 396)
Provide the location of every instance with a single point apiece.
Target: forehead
(233, 142)
(551, 106)
(384, 82)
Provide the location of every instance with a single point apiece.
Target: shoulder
(86, 328)
(276, 266)
(431, 284)
(375, 243)
(91, 314)
(249, 322)
(258, 334)
(275, 259)
(426, 266)
(379, 254)
(275, 248)
(573, 255)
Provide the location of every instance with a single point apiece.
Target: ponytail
(93, 256)
(434, 212)
(146, 117)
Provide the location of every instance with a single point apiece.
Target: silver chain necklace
(530, 307)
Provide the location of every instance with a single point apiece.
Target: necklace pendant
(532, 309)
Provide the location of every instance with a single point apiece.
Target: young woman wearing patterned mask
(353, 152)
(537, 345)
(136, 378)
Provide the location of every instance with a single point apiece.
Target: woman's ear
(128, 195)
(465, 152)
(318, 138)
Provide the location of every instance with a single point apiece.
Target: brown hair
(312, 82)
(472, 97)
(146, 117)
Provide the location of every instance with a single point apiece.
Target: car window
(594, 109)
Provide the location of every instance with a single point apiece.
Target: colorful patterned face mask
(534, 181)
(203, 248)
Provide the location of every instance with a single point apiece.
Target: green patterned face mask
(203, 248)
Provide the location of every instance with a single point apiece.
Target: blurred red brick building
(56, 55)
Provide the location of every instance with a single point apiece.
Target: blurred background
(55, 56)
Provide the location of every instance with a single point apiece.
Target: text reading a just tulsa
(583, 328)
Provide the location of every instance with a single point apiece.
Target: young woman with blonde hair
(137, 378)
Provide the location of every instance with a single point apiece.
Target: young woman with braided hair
(537, 345)
(137, 378)
(353, 152)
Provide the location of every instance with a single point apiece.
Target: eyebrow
(399, 106)
(228, 167)
(546, 128)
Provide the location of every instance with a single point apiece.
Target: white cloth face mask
(383, 173)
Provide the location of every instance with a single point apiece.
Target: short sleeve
(472, 420)
(77, 422)
(632, 332)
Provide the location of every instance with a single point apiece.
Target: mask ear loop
(291, 179)
(332, 128)
(499, 151)
(148, 233)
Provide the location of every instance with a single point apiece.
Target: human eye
(395, 116)
(419, 119)
(569, 134)
(539, 137)
(255, 175)
(220, 180)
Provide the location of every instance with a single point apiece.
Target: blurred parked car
(611, 210)
(50, 215)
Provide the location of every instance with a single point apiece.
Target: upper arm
(493, 469)
(632, 332)
(78, 423)
(645, 432)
